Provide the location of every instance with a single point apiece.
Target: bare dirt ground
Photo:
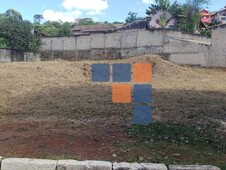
(51, 109)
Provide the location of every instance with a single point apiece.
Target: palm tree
(160, 5)
(164, 5)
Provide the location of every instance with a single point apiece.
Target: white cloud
(95, 19)
(63, 16)
(148, 1)
(89, 5)
(74, 9)
(92, 12)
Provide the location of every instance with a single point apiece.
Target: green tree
(37, 18)
(132, 16)
(16, 33)
(118, 22)
(191, 11)
(14, 14)
(3, 43)
(65, 29)
(55, 28)
(86, 22)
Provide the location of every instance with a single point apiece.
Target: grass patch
(178, 134)
(174, 144)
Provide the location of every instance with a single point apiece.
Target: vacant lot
(52, 109)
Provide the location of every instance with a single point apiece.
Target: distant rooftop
(93, 28)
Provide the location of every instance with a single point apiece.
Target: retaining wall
(178, 47)
(41, 164)
(7, 55)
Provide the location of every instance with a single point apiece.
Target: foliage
(11, 13)
(177, 134)
(207, 33)
(55, 28)
(3, 43)
(175, 10)
(86, 23)
(132, 16)
(159, 5)
(117, 22)
(187, 16)
(16, 33)
(37, 18)
(192, 15)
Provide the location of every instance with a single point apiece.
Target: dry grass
(65, 87)
(61, 92)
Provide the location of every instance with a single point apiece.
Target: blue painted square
(142, 115)
(142, 93)
(100, 72)
(121, 73)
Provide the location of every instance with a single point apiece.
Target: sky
(99, 10)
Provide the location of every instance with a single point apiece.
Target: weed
(178, 134)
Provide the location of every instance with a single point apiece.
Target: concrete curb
(44, 164)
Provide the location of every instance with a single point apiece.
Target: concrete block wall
(187, 52)
(42, 164)
(7, 55)
(218, 49)
(179, 47)
(185, 36)
(115, 45)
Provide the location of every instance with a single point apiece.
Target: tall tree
(37, 18)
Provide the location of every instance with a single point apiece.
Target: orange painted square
(142, 73)
(121, 93)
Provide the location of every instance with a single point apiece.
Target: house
(206, 18)
(95, 28)
(219, 17)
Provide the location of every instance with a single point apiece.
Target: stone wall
(42, 164)
(7, 55)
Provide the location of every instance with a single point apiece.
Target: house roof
(118, 25)
(95, 27)
(204, 11)
(222, 9)
(138, 24)
(216, 26)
